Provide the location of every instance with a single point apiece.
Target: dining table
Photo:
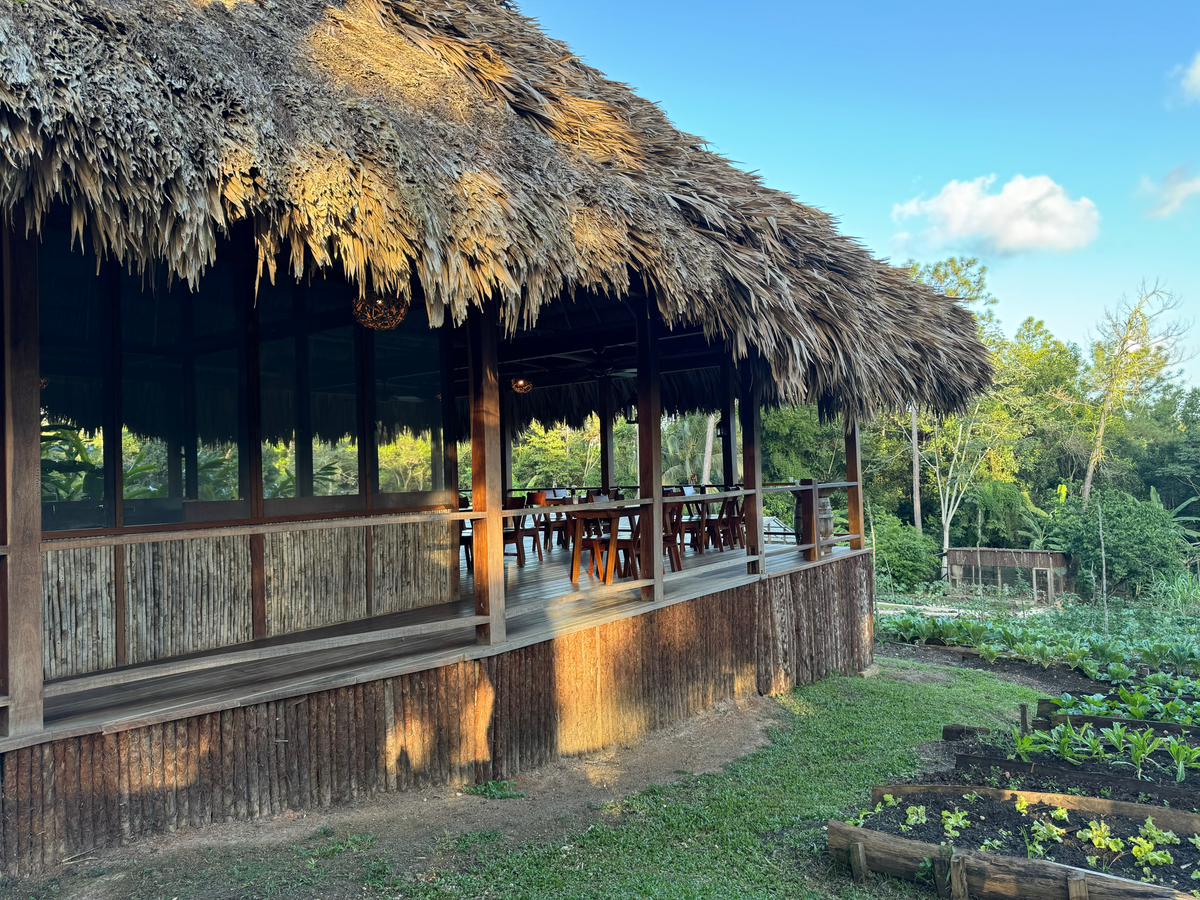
(578, 515)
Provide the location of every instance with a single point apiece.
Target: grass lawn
(755, 829)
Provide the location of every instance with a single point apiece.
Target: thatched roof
(449, 149)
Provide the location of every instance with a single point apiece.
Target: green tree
(1136, 345)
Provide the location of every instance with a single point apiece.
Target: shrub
(903, 555)
(1140, 540)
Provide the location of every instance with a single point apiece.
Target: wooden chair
(695, 525)
(515, 534)
(673, 535)
(555, 523)
(726, 529)
(466, 539)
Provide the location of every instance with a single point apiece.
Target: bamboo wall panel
(314, 578)
(473, 721)
(411, 566)
(187, 596)
(78, 612)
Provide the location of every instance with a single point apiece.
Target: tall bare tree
(916, 469)
(1137, 343)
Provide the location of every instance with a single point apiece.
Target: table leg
(612, 552)
(577, 550)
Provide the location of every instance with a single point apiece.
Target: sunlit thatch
(454, 147)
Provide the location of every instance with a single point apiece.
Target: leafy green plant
(1141, 745)
(954, 822)
(1059, 814)
(1155, 835)
(1184, 757)
(916, 816)
(1101, 836)
(496, 790)
(1048, 832)
(1144, 852)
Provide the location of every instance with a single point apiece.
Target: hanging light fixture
(522, 385)
(380, 313)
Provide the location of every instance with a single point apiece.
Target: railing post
(23, 482)
(606, 412)
(650, 449)
(487, 495)
(752, 504)
(854, 496)
(728, 427)
(810, 530)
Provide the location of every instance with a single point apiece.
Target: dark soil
(996, 820)
(1014, 780)
(1054, 680)
(1160, 770)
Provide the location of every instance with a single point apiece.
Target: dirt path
(349, 851)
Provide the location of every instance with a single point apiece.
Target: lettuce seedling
(953, 822)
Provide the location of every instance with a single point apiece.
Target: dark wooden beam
(728, 427)
(486, 492)
(650, 450)
(854, 493)
(752, 505)
(607, 413)
(23, 479)
(450, 450)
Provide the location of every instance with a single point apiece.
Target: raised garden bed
(1034, 843)
(1064, 774)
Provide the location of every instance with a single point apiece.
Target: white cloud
(1175, 188)
(1027, 214)
(1191, 79)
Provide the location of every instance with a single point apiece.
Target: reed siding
(411, 565)
(314, 578)
(78, 612)
(187, 596)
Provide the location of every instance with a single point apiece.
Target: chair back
(688, 490)
(596, 497)
(536, 498)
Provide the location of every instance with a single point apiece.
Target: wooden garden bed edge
(989, 875)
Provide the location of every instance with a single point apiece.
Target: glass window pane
(333, 405)
(218, 464)
(277, 372)
(75, 370)
(180, 404)
(407, 418)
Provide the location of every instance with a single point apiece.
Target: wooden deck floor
(542, 603)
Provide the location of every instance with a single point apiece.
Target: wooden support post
(941, 877)
(22, 619)
(486, 491)
(854, 493)
(606, 413)
(858, 863)
(752, 504)
(450, 450)
(650, 449)
(958, 878)
(728, 429)
(810, 528)
(251, 479)
(506, 442)
(1077, 887)
(1024, 712)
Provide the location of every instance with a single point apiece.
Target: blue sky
(1060, 142)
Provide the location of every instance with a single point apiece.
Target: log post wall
(472, 721)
